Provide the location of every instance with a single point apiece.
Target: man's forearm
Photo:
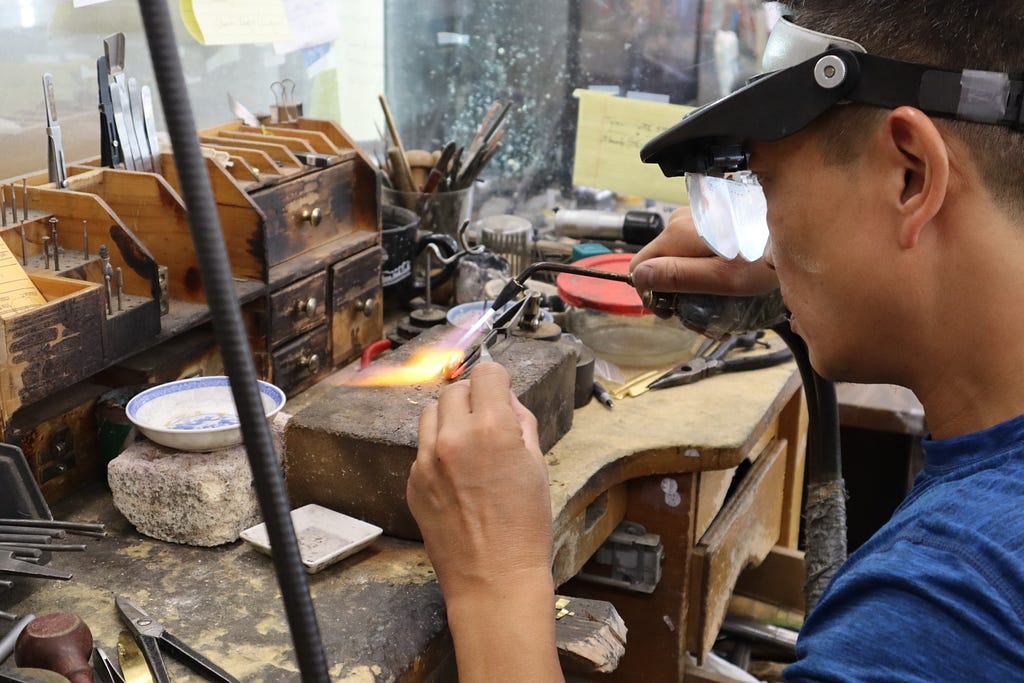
(506, 633)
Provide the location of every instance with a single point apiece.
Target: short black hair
(967, 34)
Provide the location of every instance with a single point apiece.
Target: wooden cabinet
(302, 243)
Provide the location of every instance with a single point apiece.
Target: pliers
(151, 637)
(710, 360)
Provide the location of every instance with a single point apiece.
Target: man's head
(886, 216)
(971, 34)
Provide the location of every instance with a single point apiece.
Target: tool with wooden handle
(59, 642)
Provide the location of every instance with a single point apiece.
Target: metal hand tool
(105, 669)
(14, 567)
(7, 642)
(113, 50)
(139, 124)
(110, 145)
(55, 146)
(501, 330)
(242, 112)
(149, 120)
(152, 637)
(712, 361)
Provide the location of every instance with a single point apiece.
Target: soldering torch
(712, 315)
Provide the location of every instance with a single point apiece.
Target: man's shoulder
(893, 614)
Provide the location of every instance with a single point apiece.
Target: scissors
(152, 637)
(711, 360)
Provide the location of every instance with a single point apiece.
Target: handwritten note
(17, 292)
(234, 22)
(313, 22)
(609, 134)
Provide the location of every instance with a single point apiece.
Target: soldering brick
(351, 450)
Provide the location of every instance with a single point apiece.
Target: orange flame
(427, 364)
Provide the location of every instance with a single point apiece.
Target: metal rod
(49, 547)
(429, 276)
(54, 524)
(46, 251)
(120, 288)
(3, 208)
(24, 247)
(24, 199)
(16, 529)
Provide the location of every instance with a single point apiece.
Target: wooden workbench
(664, 460)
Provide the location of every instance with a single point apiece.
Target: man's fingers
(453, 404)
(489, 387)
(427, 437)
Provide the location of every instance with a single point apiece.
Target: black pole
(211, 252)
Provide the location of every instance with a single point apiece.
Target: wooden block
(591, 635)
(351, 450)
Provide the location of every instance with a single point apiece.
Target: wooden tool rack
(303, 242)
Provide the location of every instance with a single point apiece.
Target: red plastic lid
(602, 295)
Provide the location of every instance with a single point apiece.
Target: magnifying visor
(807, 73)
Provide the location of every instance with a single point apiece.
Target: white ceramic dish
(196, 414)
(324, 536)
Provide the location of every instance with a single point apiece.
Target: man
(897, 238)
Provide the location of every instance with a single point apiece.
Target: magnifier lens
(730, 213)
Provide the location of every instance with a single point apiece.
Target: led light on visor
(730, 213)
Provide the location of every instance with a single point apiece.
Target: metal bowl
(196, 414)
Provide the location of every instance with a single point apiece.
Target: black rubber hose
(824, 460)
(204, 225)
(825, 502)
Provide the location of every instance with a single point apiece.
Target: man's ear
(918, 146)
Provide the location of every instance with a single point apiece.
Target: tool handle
(195, 661)
(59, 642)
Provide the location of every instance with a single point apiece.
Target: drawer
(298, 308)
(357, 316)
(307, 211)
(742, 534)
(58, 438)
(49, 347)
(299, 363)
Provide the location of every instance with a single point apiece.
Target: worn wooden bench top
(381, 613)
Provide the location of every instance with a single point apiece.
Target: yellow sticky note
(17, 292)
(234, 22)
(609, 134)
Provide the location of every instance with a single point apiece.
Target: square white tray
(324, 536)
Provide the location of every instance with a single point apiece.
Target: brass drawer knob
(313, 216)
(310, 362)
(307, 307)
(367, 306)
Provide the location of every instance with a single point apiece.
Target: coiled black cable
(204, 225)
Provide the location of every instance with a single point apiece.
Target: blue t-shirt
(938, 593)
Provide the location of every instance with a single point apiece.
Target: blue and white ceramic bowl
(196, 414)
